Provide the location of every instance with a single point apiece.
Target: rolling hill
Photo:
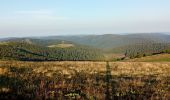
(28, 51)
(153, 58)
(106, 41)
(84, 47)
(109, 41)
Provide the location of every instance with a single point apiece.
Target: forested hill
(83, 47)
(108, 41)
(105, 42)
(140, 50)
(27, 51)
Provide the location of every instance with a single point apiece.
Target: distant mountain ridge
(108, 41)
(105, 41)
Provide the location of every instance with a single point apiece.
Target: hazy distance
(75, 17)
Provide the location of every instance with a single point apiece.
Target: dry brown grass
(3, 71)
(140, 68)
(128, 80)
(117, 68)
(61, 46)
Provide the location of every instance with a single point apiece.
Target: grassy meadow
(84, 80)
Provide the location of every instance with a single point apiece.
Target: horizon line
(39, 36)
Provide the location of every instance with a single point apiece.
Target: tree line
(140, 50)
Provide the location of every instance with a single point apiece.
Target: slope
(153, 58)
(108, 41)
(31, 52)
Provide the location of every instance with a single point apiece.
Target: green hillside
(145, 48)
(31, 52)
(84, 47)
(109, 41)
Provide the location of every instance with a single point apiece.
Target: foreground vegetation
(84, 80)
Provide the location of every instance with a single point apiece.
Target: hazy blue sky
(60, 17)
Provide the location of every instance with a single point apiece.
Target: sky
(71, 17)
